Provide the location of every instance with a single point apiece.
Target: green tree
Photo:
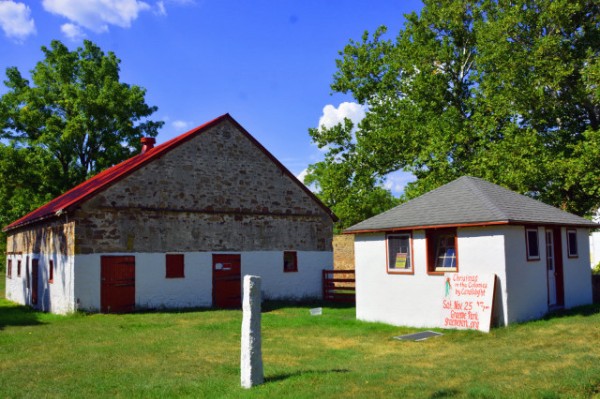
(77, 110)
(353, 194)
(507, 91)
(74, 120)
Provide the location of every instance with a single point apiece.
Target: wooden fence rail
(339, 286)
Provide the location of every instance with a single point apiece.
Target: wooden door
(35, 271)
(227, 283)
(117, 290)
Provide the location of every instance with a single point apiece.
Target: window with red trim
(51, 271)
(532, 242)
(399, 257)
(175, 265)
(9, 268)
(572, 243)
(290, 261)
(442, 251)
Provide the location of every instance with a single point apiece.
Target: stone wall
(56, 237)
(343, 252)
(216, 192)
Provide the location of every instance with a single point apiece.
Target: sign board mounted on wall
(467, 302)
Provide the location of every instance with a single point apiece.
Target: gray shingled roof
(469, 200)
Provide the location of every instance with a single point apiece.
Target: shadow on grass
(445, 393)
(18, 315)
(587, 310)
(281, 377)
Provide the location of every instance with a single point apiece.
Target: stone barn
(175, 226)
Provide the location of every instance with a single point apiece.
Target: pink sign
(467, 301)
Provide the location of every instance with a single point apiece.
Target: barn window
(532, 242)
(290, 261)
(399, 259)
(51, 271)
(174, 265)
(19, 268)
(442, 251)
(9, 268)
(572, 243)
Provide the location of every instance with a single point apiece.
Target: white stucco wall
(577, 271)
(56, 297)
(153, 290)
(415, 300)
(526, 283)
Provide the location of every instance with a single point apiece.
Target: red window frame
(433, 237)
(9, 268)
(290, 261)
(175, 265)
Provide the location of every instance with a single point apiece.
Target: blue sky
(267, 63)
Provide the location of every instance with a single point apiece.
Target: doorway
(227, 284)
(117, 290)
(554, 268)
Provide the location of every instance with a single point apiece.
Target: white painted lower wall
(153, 290)
(56, 296)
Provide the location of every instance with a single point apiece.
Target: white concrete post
(251, 364)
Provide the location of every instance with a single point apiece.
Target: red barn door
(117, 289)
(227, 284)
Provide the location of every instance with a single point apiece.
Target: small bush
(596, 269)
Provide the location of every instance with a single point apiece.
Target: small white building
(539, 254)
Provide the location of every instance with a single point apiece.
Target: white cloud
(72, 31)
(332, 115)
(97, 15)
(15, 20)
(160, 8)
(300, 176)
(179, 124)
(397, 181)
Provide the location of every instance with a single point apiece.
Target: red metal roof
(105, 178)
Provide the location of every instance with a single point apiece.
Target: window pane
(533, 250)
(446, 253)
(399, 252)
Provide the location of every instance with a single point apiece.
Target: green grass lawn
(196, 354)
